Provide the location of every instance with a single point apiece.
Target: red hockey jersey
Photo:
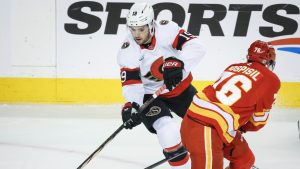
(239, 100)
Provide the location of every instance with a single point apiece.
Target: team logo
(258, 50)
(155, 110)
(125, 45)
(141, 58)
(156, 70)
(164, 22)
(293, 45)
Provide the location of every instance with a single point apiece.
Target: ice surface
(63, 136)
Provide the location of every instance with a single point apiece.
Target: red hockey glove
(172, 72)
(130, 116)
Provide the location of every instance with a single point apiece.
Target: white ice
(63, 136)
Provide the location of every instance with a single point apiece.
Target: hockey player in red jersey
(156, 54)
(239, 101)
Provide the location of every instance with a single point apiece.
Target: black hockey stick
(150, 100)
(165, 160)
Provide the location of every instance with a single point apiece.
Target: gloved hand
(172, 72)
(130, 116)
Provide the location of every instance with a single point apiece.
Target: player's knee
(152, 114)
(178, 155)
(243, 162)
(167, 131)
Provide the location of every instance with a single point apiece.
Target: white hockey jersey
(141, 66)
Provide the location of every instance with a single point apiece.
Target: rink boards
(65, 51)
(97, 91)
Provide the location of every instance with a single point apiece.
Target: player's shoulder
(237, 64)
(128, 54)
(234, 66)
(166, 31)
(266, 70)
(167, 24)
(166, 27)
(127, 44)
(269, 75)
(274, 78)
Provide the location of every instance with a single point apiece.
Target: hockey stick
(165, 160)
(146, 104)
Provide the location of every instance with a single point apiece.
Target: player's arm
(132, 87)
(128, 61)
(256, 122)
(191, 49)
(133, 92)
(259, 119)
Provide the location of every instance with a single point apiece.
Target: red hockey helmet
(262, 52)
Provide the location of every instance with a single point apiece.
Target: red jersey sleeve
(256, 122)
(268, 92)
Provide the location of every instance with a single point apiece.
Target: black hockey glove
(172, 72)
(130, 116)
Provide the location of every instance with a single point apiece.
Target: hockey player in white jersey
(153, 54)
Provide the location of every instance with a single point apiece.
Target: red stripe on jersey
(130, 82)
(180, 88)
(130, 70)
(181, 162)
(175, 42)
(130, 76)
(182, 37)
(173, 148)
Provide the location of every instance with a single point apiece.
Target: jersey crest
(164, 22)
(156, 72)
(125, 45)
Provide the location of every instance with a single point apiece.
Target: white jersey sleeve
(128, 55)
(189, 48)
(191, 54)
(128, 60)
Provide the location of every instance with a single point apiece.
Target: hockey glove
(130, 116)
(172, 72)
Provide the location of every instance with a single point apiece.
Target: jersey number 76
(230, 92)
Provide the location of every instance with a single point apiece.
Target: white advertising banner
(89, 33)
(5, 45)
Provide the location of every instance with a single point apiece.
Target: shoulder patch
(164, 22)
(125, 45)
